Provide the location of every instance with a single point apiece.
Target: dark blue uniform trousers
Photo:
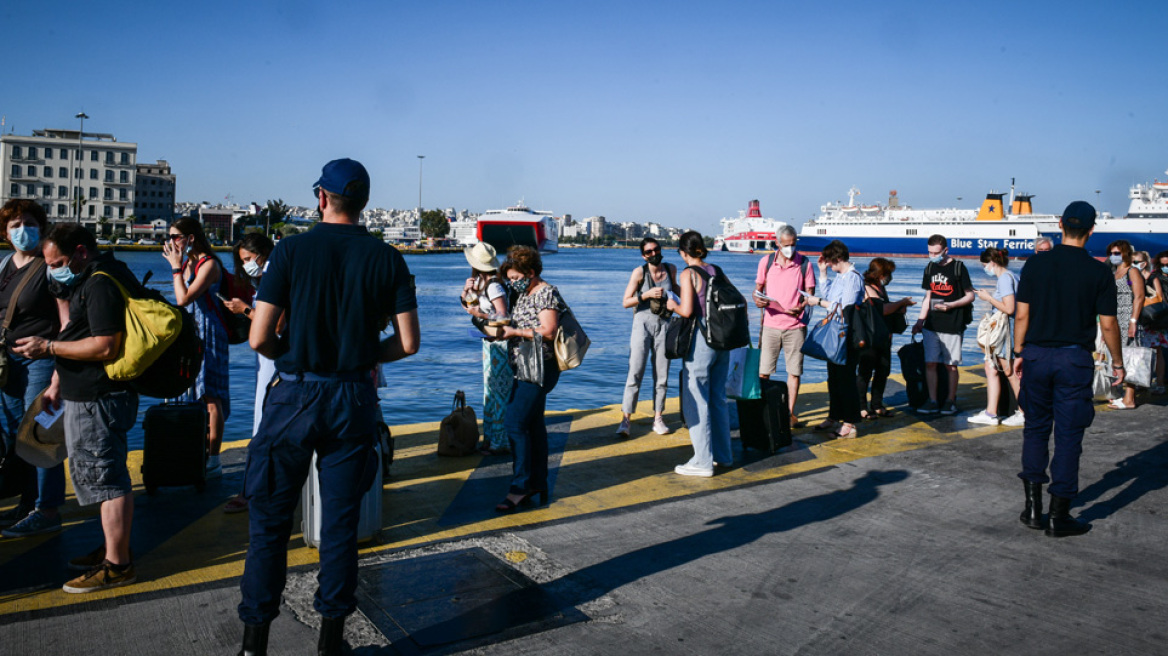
(1056, 390)
(338, 421)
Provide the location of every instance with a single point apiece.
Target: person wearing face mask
(781, 276)
(250, 254)
(1155, 283)
(537, 310)
(35, 312)
(648, 290)
(1043, 244)
(98, 411)
(1129, 292)
(846, 289)
(945, 312)
(486, 301)
(995, 262)
(876, 363)
(197, 274)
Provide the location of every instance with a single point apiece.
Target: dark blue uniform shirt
(340, 286)
(1066, 289)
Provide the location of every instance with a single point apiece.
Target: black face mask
(655, 259)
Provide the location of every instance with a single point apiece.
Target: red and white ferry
(520, 225)
(749, 232)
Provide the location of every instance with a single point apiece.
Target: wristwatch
(1017, 354)
(1134, 320)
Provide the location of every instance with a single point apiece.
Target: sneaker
(1016, 419)
(623, 429)
(929, 408)
(690, 470)
(13, 515)
(950, 408)
(214, 469)
(984, 417)
(102, 577)
(34, 524)
(659, 427)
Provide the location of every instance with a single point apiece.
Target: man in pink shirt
(781, 276)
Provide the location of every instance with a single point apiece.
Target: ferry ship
(749, 232)
(519, 225)
(900, 230)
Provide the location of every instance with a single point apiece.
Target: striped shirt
(844, 289)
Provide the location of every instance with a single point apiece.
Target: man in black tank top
(649, 287)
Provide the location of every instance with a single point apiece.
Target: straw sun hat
(482, 257)
(37, 445)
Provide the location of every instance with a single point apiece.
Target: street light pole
(420, 158)
(76, 169)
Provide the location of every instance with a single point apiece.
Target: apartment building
(154, 188)
(45, 166)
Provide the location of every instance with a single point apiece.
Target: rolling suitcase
(765, 424)
(174, 446)
(370, 504)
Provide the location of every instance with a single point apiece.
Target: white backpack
(993, 330)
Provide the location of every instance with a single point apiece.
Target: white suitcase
(370, 506)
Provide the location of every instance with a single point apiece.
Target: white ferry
(900, 230)
(520, 225)
(749, 232)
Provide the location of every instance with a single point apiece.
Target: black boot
(1061, 522)
(1032, 516)
(255, 639)
(332, 636)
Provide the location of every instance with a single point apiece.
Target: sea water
(592, 281)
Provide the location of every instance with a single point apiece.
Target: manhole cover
(436, 603)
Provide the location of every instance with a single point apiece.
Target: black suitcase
(174, 449)
(765, 424)
(912, 367)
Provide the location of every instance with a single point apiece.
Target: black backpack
(727, 321)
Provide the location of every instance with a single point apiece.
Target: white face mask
(787, 251)
(989, 269)
(1140, 265)
(252, 269)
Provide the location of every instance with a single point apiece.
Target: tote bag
(828, 339)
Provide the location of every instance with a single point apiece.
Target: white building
(98, 168)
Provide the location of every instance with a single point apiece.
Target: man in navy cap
(339, 287)
(1059, 297)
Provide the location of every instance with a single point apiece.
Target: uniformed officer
(339, 286)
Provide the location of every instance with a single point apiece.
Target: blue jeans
(337, 421)
(703, 400)
(27, 379)
(527, 431)
(1056, 391)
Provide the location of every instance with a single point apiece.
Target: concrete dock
(905, 541)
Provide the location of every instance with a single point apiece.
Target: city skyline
(678, 113)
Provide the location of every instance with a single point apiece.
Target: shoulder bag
(1138, 363)
(571, 343)
(828, 339)
(33, 268)
(528, 360)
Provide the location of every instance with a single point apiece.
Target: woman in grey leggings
(649, 287)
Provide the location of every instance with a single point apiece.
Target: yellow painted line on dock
(597, 473)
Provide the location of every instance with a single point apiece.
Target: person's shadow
(1144, 472)
(724, 534)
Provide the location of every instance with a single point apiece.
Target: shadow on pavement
(1142, 473)
(724, 534)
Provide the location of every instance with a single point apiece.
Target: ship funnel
(991, 208)
(893, 201)
(754, 212)
(1022, 205)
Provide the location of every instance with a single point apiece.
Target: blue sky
(678, 112)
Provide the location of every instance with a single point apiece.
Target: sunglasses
(651, 251)
(1116, 253)
(177, 237)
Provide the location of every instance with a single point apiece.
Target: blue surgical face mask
(63, 275)
(988, 269)
(25, 238)
(936, 259)
(520, 286)
(1116, 259)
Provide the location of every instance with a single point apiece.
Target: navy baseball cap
(344, 177)
(1079, 214)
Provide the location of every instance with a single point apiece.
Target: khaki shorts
(942, 348)
(790, 342)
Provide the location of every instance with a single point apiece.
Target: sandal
(846, 432)
(1118, 404)
(881, 411)
(826, 425)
